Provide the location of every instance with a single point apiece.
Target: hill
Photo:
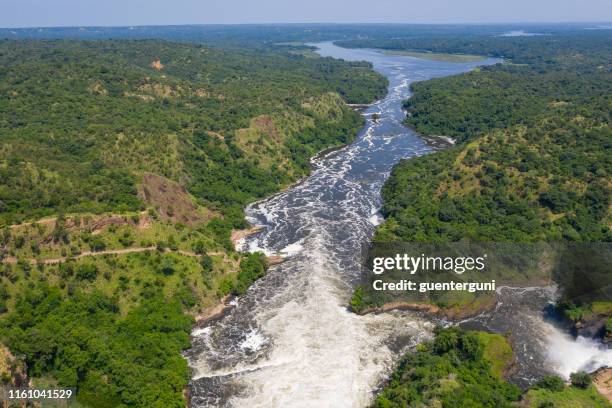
(125, 166)
(531, 161)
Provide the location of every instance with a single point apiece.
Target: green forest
(532, 157)
(531, 163)
(125, 167)
(462, 369)
(532, 160)
(95, 115)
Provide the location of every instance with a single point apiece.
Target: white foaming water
(252, 246)
(376, 217)
(568, 355)
(292, 249)
(302, 369)
(201, 331)
(290, 341)
(254, 341)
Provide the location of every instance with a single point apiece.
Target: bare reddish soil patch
(265, 124)
(172, 200)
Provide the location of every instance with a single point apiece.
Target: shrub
(357, 300)
(207, 263)
(580, 379)
(551, 382)
(96, 243)
(167, 267)
(198, 247)
(87, 272)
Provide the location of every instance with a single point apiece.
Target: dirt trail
(52, 261)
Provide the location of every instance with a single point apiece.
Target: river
(290, 341)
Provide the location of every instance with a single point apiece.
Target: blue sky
(40, 13)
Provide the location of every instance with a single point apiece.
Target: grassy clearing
(498, 351)
(570, 397)
(435, 56)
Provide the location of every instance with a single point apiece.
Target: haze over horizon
(43, 13)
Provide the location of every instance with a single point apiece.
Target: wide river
(290, 341)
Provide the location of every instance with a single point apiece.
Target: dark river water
(290, 341)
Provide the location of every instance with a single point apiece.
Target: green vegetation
(531, 161)
(552, 392)
(113, 326)
(531, 164)
(466, 369)
(140, 156)
(451, 371)
(114, 360)
(252, 267)
(230, 126)
(434, 56)
(497, 351)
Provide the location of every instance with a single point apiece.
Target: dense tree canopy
(81, 124)
(81, 121)
(532, 160)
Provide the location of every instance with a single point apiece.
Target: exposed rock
(12, 370)
(214, 312)
(602, 379)
(266, 125)
(387, 307)
(237, 235)
(157, 65)
(274, 260)
(592, 328)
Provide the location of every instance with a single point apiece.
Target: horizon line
(131, 26)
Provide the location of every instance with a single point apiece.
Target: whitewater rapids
(290, 340)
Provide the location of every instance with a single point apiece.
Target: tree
(87, 272)
(580, 379)
(167, 266)
(551, 382)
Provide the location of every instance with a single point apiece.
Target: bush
(580, 380)
(446, 340)
(167, 267)
(225, 286)
(551, 382)
(357, 300)
(172, 243)
(252, 267)
(87, 272)
(161, 246)
(198, 247)
(96, 243)
(207, 263)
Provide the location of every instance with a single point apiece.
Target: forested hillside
(532, 160)
(125, 166)
(532, 163)
(95, 115)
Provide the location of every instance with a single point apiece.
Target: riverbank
(454, 313)
(290, 328)
(434, 56)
